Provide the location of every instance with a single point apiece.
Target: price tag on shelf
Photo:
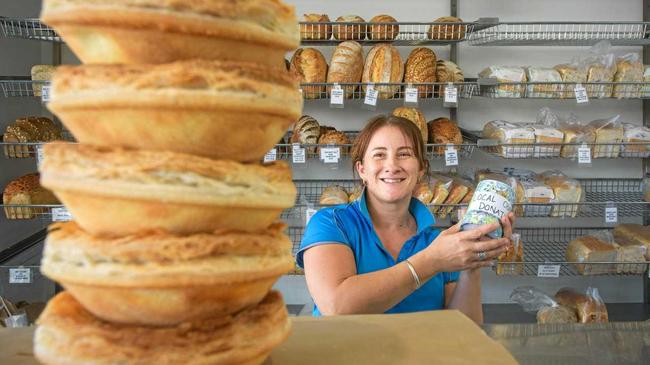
(548, 271)
(271, 156)
(337, 96)
(370, 101)
(584, 154)
(20, 275)
(581, 94)
(411, 96)
(330, 154)
(611, 213)
(39, 154)
(451, 155)
(45, 93)
(61, 215)
(308, 214)
(297, 153)
(451, 96)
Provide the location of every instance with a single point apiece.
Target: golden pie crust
(68, 334)
(117, 192)
(223, 110)
(162, 279)
(162, 31)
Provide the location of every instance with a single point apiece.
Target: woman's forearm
(467, 296)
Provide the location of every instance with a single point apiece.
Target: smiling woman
(381, 253)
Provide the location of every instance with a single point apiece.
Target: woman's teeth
(392, 181)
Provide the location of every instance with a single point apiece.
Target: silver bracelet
(414, 273)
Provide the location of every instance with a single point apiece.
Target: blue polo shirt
(350, 225)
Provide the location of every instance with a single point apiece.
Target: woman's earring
(363, 182)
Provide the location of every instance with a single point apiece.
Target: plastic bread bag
(601, 67)
(571, 74)
(576, 134)
(629, 68)
(609, 135)
(630, 256)
(440, 186)
(510, 77)
(594, 254)
(533, 300)
(637, 141)
(459, 188)
(645, 90)
(423, 192)
(511, 262)
(568, 193)
(543, 82)
(589, 307)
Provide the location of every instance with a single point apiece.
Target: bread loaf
(440, 186)
(511, 262)
(355, 193)
(421, 68)
(447, 71)
(444, 131)
(383, 65)
(545, 134)
(26, 190)
(506, 75)
(310, 65)
(567, 191)
(423, 193)
(591, 249)
(333, 195)
(628, 71)
(557, 314)
(457, 192)
(510, 134)
(636, 134)
(415, 116)
(335, 137)
(537, 192)
(588, 308)
(570, 73)
(29, 129)
(41, 73)
(383, 32)
(344, 32)
(610, 134)
(598, 72)
(633, 234)
(306, 131)
(449, 31)
(575, 133)
(542, 75)
(629, 258)
(346, 65)
(315, 31)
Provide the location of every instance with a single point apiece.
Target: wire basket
(21, 87)
(388, 91)
(563, 90)
(29, 28)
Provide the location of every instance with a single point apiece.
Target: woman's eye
(404, 154)
(378, 155)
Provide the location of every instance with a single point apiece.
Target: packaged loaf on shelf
(548, 310)
(629, 68)
(311, 67)
(383, 32)
(420, 68)
(440, 186)
(511, 262)
(444, 131)
(568, 193)
(547, 135)
(609, 135)
(601, 68)
(315, 31)
(459, 189)
(41, 73)
(639, 135)
(630, 259)
(415, 116)
(510, 134)
(589, 307)
(344, 32)
(543, 75)
(598, 247)
(26, 130)
(633, 235)
(575, 134)
(346, 66)
(645, 90)
(334, 195)
(423, 193)
(450, 31)
(383, 65)
(505, 75)
(26, 190)
(571, 73)
(536, 192)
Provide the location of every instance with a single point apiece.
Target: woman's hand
(454, 250)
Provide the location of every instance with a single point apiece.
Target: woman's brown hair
(408, 129)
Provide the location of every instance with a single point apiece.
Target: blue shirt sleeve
(451, 277)
(322, 228)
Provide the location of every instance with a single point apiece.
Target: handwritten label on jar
(20, 275)
(491, 203)
(548, 271)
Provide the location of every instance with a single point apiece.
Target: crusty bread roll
(346, 65)
(421, 68)
(310, 65)
(345, 32)
(447, 71)
(306, 131)
(334, 137)
(447, 31)
(444, 131)
(415, 116)
(588, 309)
(333, 195)
(26, 190)
(29, 129)
(383, 32)
(423, 193)
(383, 65)
(315, 31)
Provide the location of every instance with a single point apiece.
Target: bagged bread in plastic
(509, 136)
(633, 235)
(629, 68)
(511, 262)
(423, 193)
(594, 254)
(440, 186)
(547, 309)
(568, 193)
(645, 90)
(570, 73)
(609, 135)
(542, 82)
(459, 188)
(509, 78)
(636, 139)
(601, 68)
(630, 257)
(589, 307)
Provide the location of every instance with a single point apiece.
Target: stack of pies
(175, 244)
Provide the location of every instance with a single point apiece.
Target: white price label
(451, 156)
(61, 215)
(411, 95)
(371, 95)
(330, 154)
(451, 94)
(20, 275)
(309, 213)
(584, 154)
(39, 154)
(45, 93)
(611, 215)
(297, 153)
(548, 271)
(271, 156)
(581, 94)
(336, 95)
